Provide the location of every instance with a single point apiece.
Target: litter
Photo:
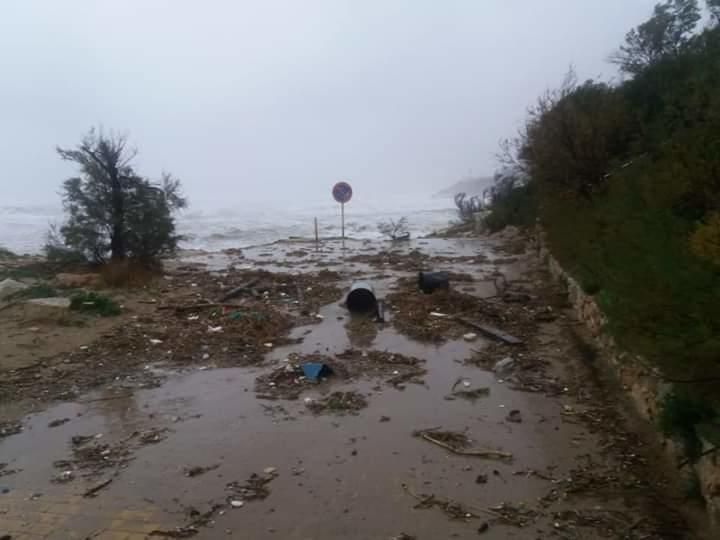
(155, 341)
(314, 370)
(470, 336)
(438, 314)
(361, 298)
(214, 329)
(237, 504)
(431, 281)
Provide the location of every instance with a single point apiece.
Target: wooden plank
(491, 331)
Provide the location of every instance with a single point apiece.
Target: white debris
(470, 336)
(214, 329)
(193, 317)
(504, 365)
(205, 356)
(270, 470)
(84, 347)
(318, 316)
(268, 345)
(308, 401)
(155, 341)
(237, 504)
(437, 314)
(466, 384)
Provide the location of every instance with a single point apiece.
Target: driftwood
(102, 485)
(490, 331)
(193, 307)
(237, 291)
(476, 452)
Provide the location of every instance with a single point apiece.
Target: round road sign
(342, 192)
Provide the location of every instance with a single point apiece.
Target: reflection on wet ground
(352, 476)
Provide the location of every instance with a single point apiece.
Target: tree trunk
(117, 240)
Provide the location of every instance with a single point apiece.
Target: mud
(194, 450)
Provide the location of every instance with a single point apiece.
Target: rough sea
(23, 228)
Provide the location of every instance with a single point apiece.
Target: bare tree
(395, 230)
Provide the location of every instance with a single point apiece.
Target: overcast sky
(259, 99)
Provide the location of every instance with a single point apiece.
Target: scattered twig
(102, 485)
(237, 291)
(193, 307)
(476, 452)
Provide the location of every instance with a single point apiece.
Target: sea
(23, 228)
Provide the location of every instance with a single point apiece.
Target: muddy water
(337, 476)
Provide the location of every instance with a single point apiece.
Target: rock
(55, 301)
(9, 287)
(514, 416)
(78, 281)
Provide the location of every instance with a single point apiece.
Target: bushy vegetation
(113, 212)
(625, 180)
(94, 303)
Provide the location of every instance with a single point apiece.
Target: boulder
(59, 302)
(9, 287)
(78, 281)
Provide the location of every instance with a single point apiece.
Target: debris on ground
(349, 402)
(514, 416)
(397, 369)
(453, 509)
(471, 395)
(6, 471)
(290, 379)
(447, 314)
(192, 472)
(315, 370)
(10, 428)
(58, 422)
(459, 443)
(255, 488)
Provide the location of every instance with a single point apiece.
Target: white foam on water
(23, 229)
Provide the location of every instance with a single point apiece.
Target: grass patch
(95, 304)
(40, 290)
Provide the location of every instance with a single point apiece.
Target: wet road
(351, 476)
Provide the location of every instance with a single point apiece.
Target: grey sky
(287, 96)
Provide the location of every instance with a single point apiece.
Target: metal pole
(317, 238)
(342, 213)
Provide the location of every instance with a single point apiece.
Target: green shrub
(96, 304)
(515, 206)
(679, 419)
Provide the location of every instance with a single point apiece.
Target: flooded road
(201, 455)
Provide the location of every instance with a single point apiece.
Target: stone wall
(642, 382)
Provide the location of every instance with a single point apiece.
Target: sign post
(342, 193)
